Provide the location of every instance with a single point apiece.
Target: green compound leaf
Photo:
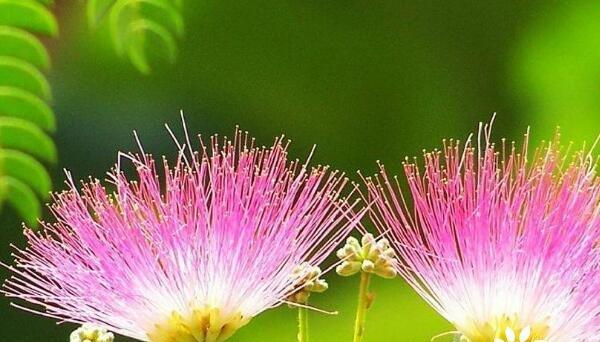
(26, 169)
(20, 196)
(141, 29)
(20, 74)
(23, 135)
(97, 10)
(18, 103)
(23, 45)
(29, 15)
(25, 116)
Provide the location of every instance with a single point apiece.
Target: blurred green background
(363, 80)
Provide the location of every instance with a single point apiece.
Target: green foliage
(142, 30)
(25, 116)
(29, 15)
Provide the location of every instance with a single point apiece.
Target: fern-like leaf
(140, 29)
(25, 115)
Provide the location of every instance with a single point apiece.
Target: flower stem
(363, 304)
(302, 325)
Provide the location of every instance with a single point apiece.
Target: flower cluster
(189, 255)
(503, 244)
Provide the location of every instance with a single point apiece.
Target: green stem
(363, 305)
(302, 325)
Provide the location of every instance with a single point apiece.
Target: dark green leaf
(125, 12)
(147, 33)
(140, 28)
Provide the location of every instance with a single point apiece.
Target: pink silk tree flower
(503, 244)
(189, 254)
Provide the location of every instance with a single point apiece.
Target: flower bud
(368, 255)
(91, 333)
(308, 281)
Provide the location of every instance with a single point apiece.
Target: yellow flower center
(203, 325)
(504, 329)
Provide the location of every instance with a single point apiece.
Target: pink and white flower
(502, 243)
(191, 253)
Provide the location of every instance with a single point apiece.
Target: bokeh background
(363, 80)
